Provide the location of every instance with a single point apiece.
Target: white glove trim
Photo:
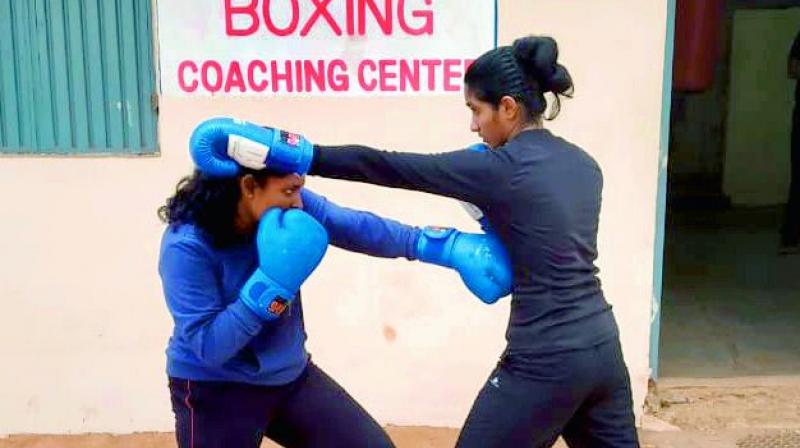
(247, 153)
(473, 210)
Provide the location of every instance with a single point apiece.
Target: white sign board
(320, 47)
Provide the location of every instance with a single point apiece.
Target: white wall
(84, 325)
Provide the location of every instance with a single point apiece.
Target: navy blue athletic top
(541, 195)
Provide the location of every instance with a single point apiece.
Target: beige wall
(760, 107)
(84, 326)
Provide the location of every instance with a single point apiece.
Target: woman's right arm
(214, 329)
(466, 175)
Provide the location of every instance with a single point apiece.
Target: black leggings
(312, 411)
(528, 401)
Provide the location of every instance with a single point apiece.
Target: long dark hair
(210, 203)
(525, 71)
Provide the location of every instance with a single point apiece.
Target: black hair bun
(538, 57)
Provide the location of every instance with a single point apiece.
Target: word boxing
(395, 16)
(369, 75)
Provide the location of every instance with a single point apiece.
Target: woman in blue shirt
(234, 378)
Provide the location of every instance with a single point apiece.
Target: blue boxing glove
(481, 260)
(291, 244)
(220, 146)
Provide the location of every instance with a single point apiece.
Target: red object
(697, 40)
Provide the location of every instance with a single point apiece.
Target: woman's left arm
(360, 231)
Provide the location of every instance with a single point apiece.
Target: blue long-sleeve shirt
(216, 337)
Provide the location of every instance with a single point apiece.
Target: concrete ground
(758, 411)
(415, 437)
(405, 437)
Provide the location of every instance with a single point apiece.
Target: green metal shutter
(76, 77)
